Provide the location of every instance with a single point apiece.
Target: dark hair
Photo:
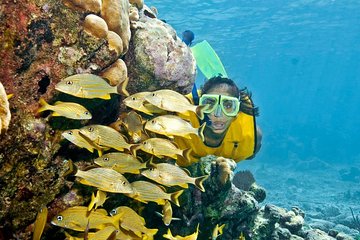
(219, 80)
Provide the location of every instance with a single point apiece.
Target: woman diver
(230, 129)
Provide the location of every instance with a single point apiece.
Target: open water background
(300, 59)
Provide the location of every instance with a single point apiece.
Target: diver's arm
(258, 142)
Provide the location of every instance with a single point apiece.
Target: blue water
(300, 59)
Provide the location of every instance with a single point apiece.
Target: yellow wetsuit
(239, 142)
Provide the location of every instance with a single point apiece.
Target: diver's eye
(106, 159)
(91, 129)
(69, 82)
(70, 132)
(228, 104)
(59, 218)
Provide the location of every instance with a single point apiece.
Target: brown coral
(116, 15)
(116, 74)
(95, 26)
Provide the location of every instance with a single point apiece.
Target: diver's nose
(218, 111)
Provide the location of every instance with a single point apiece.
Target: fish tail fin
(201, 131)
(169, 235)
(92, 202)
(72, 168)
(200, 111)
(199, 182)
(9, 96)
(184, 159)
(175, 197)
(121, 88)
(100, 152)
(134, 148)
(44, 105)
(221, 228)
(150, 233)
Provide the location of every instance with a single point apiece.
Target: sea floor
(326, 193)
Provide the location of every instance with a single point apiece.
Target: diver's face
(219, 121)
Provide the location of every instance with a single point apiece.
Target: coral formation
(95, 26)
(116, 15)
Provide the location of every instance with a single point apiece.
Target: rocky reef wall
(42, 42)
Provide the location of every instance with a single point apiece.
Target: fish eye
(91, 129)
(144, 143)
(69, 82)
(153, 121)
(87, 113)
(70, 132)
(133, 98)
(59, 218)
(123, 183)
(106, 159)
(153, 94)
(113, 212)
(152, 169)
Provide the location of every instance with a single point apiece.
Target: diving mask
(229, 105)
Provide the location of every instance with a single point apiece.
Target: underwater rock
(158, 59)
(85, 5)
(316, 234)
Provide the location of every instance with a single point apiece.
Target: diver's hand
(224, 169)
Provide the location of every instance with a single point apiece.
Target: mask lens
(230, 106)
(211, 101)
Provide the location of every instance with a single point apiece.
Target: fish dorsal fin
(58, 102)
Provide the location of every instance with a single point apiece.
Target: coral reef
(46, 41)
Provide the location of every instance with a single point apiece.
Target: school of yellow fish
(123, 142)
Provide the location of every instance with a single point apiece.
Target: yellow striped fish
(86, 85)
(131, 221)
(78, 218)
(171, 125)
(65, 109)
(171, 175)
(137, 101)
(161, 147)
(173, 101)
(40, 222)
(105, 179)
(105, 136)
(145, 192)
(120, 162)
(74, 136)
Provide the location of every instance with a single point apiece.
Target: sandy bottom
(326, 193)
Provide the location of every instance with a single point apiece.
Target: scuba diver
(230, 129)
(230, 117)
